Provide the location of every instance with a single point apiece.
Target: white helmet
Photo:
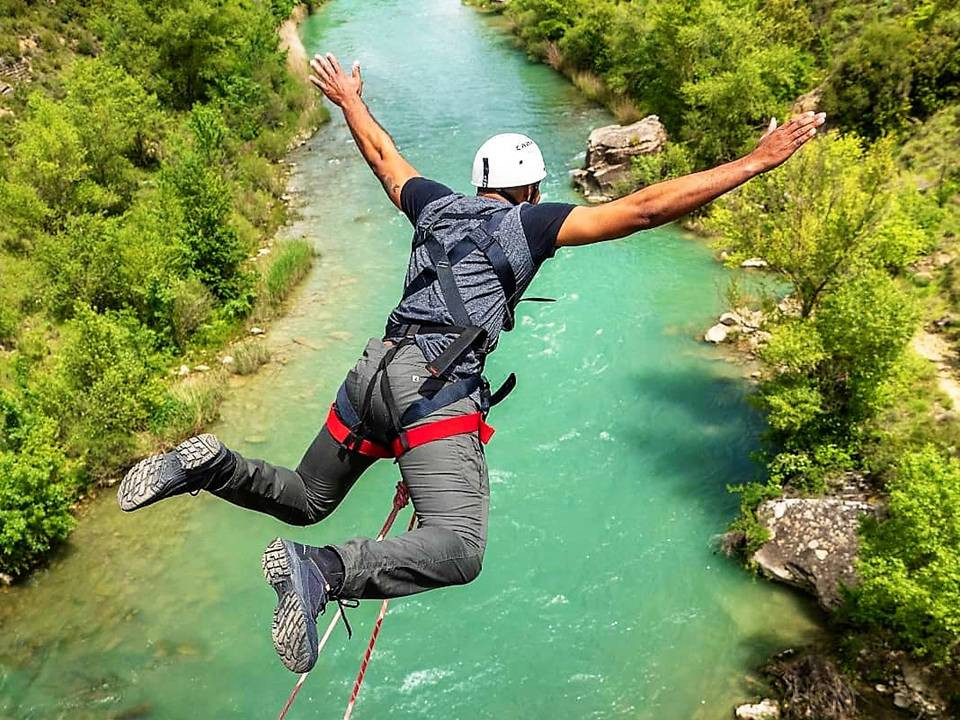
(508, 160)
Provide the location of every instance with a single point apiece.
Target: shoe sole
(144, 483)
(289, 629)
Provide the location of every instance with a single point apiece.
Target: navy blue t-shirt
(541, 223)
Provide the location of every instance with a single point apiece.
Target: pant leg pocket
(472, 461)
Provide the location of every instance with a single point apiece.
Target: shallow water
(601, 596)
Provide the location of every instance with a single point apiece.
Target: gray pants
(447, 480)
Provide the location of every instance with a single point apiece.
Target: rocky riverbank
(812, 541)
(812, 544)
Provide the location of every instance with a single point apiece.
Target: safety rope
(400, 500)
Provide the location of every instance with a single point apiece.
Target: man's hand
(373, 142)
(339, 87)
(666, 201)
(779, 143)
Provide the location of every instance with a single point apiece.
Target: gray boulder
(813, 543)
(610, 153)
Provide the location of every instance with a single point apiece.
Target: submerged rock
(717, 334)
(766, 709)
(610, 153)
(813, 544)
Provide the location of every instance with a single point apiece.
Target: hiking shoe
(189, 467)
(302, 594)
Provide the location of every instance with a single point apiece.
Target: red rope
(370, 645)
(400, 500)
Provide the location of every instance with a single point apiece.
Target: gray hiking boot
(188, 468)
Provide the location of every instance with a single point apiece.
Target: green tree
(734, 85)
(821, 217)
(869, 86)
(116, 120)
(50, 157)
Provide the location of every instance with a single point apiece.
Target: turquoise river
(601, 596)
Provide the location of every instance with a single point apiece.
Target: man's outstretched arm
(666, 201)
(374, 143)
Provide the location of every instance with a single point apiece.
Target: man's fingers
(805, 137)
(334, 64)
(321, 68)
(358, 76)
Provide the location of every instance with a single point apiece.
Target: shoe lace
(343, 604)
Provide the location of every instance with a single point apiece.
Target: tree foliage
(830, 212)
(136, 179)
(910, 562)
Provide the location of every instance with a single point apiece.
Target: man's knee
(470, 562)
(470, 568)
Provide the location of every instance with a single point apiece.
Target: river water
(601, 595)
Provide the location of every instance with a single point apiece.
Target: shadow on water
(712, 434)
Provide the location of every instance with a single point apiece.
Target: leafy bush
(673, 161)
(104, 385)
(36, 488)
(910, 562)
(84, 262)
(212, 244)
(192, 307)
(869, 86)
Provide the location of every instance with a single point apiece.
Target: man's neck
(497, 196)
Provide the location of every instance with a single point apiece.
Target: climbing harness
(349, 425)
(400, 500)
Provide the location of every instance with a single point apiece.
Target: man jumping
(418, 393)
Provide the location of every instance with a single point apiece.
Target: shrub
(673, 161)
(84, 263)
(910, 562)
(869, 87)
(192, 307)
(103, 387)
(36, 488)
(212, 245)
(116, 120)
(50, 157)
(849, 200)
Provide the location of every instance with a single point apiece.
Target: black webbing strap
(460, 344)
(462, 249)
(485, 239)
(505, 389)
(447, 281)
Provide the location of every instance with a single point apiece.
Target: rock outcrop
(610, 152)
(742, 322)
(813, 543)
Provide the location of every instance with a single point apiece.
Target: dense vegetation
(139, 175)
(842, 224)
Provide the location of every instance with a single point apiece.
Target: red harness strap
(409, 439)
